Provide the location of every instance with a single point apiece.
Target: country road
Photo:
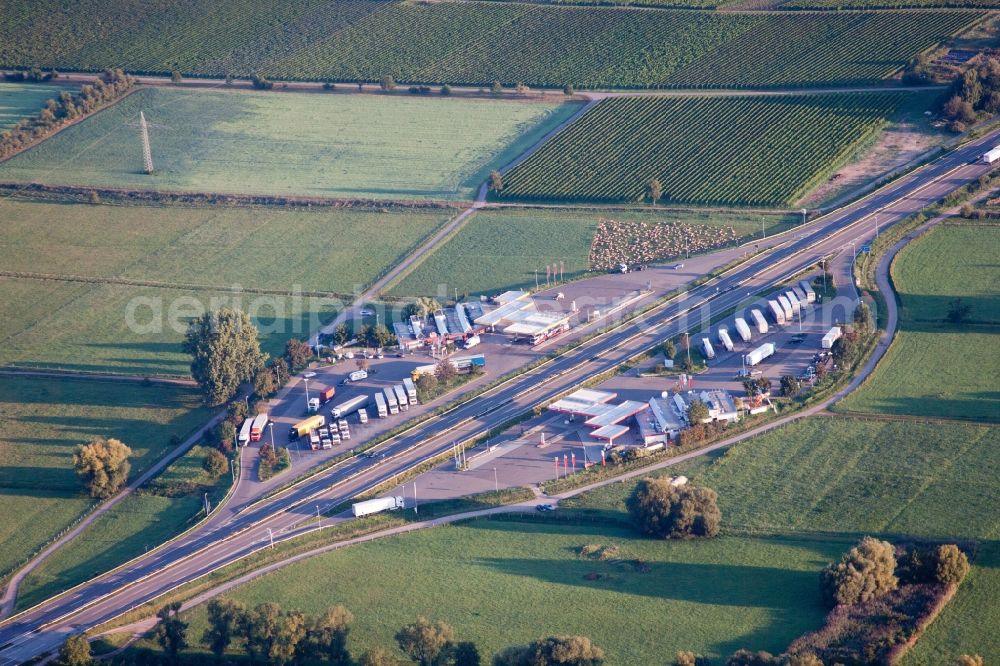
(234, 531)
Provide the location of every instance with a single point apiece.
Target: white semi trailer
(777, 312)
(759, 354)
(383, 410)
(724, 338)
(786, 307)
(706, 346)
(369, 507)
(349, 406)
(831, 336)
(992, 155)
(807, 288)
(743, 329)
(759, 321)
(793, 301)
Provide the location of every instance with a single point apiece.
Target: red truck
(326, 395)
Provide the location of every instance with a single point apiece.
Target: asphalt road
(228, 536)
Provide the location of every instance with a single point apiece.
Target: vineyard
(751, 151)
(472, 43)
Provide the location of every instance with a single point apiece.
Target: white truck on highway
(991, 155)
(724, 338)
(743, 329)
(759, 354)
(369, 507)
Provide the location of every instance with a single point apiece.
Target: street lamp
(496, 481)
(306, 377)
(804, 213)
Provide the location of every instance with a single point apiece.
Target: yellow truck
(302, 428)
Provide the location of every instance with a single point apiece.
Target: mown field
(756, 151)
(935, 368)
(112, 324)
(346, 146)
(140, 522)
(18, 100)
(472, 42)
(502, 249)
(41, 423)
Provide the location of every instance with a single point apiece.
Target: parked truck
(326, 395)
(724, 338)
(244, 437)
(807, 288)
(786, 307)
(400, 392)
(363, 416)
(411, 390)
(801, 295)
(991, 155)
(831, 336)
(743, 329)
(302, 428)
(257, 427)
(369, 507)
(759, 321)
(314, 440)
(706, 347)
(349, 406)
(358, 375)
(472, 342)
(793, 301)
(390, 399)
(380, 405)
(759, 354)
(777, 312)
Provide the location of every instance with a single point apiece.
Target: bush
(662, 510)
(688, 658)
(866, 572)
(446, 89)
(215, 463)
(553, 651)
(388, 83)
(952, 565)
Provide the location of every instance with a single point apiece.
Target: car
(677, 267)
(380, 355)
(367, 312)
(349, 355)
(400, 355)
(545, 507)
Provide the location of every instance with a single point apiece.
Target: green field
(754, 151)
(140, 522)
(43, 420)
(502, 249)
(20, 100)
(472, 42)
(935, 368)
(213, 252)
(344, 146)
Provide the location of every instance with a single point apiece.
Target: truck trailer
(801, 295)
(786, 307)
(349, 406)
(411, 390)
(793, 301)
(724, 338)
(706, 346)
(390, 399)
(358, 375)
(369, 507)
(777, 312)
(759, 321)
(743, 329)
(257, 427)
(831, 336)
(302, 428)
(807, 288)
(326, 395)
(383, 410)
(404, 403)
(759, 354)
(363, 416)
(992, 155)
(244, 436)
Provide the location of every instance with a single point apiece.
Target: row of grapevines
(753, 151)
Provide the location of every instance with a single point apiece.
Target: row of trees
(976, 93)
(58, 112)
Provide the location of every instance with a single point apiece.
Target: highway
(227, 536)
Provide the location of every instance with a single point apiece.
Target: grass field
(346, 146)
(755, 151)
(502, 249)
(85, 325)
(19, 100)
(472, 42)
(935, 368)
(140, 522)
(42, 421)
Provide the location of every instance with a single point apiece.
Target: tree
(377, 657)
(326, 636)
(94, 198)
(496, 88)
(175, 76)
(382, 336)
(568, 90)
(970, 660)
(958, 311)
(952, 565)
(426, 383)
(665, 511)
(654, 190)
(444, 371)
(465, 654)
(103, 464)
(803, 660)
(697, 412)
(424, 641)
(865, 572)
(790, 386)
(496, 182)
(224, 618)
(291, 632)
(341, 334)
(748, 658)
(224, 436)
(388, 83)
(171, 632)
(236, 412)
(280, 368)
(844, 350)
(297, 354)
(215, 463)
(689, 658)
(669, 349)
(427, 306)
(75, 651)
(553, 651)
(225, 352)
(446, 89)
(863, 317)
(264, 382)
